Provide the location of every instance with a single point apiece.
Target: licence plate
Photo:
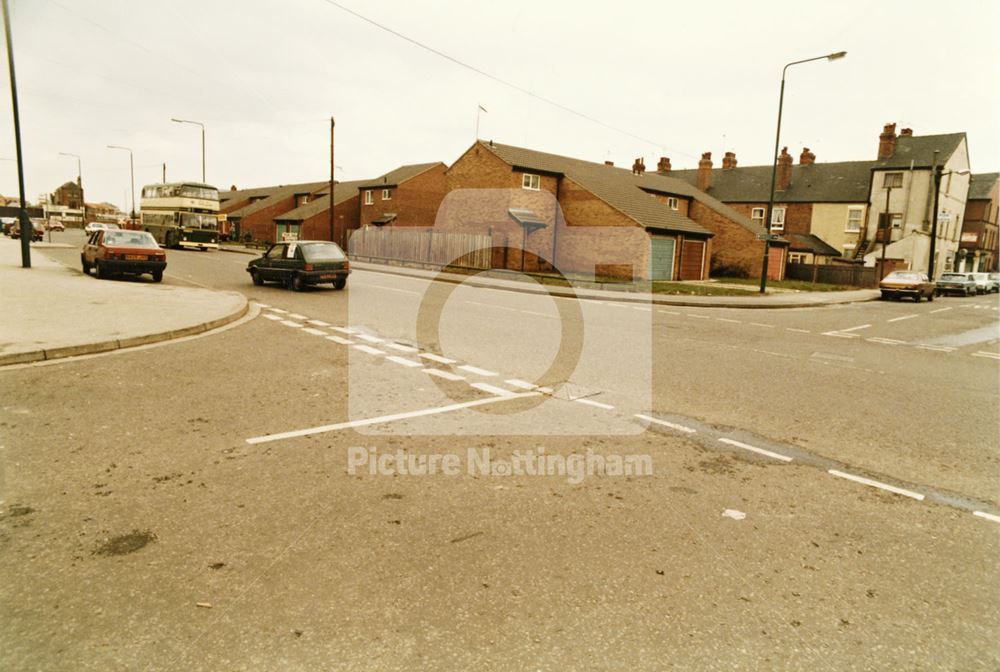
(328, 276)
(135, 257)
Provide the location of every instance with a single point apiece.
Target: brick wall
(798, 216)
(317, 227)
(415, 201)
(735, 249)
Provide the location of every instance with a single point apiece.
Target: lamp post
(774, 164)
(131, 169)
(79, 182)
(885, 233)
(24, 222)
(196, 123)
(938, 174)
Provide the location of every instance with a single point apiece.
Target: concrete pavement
(515, 282)
(51, 311)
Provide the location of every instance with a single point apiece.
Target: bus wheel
(168, 240)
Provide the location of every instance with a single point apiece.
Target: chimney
(784, 170)
(609, 163)
(664, 165)
(887, 142)
(729, 161)
(906, 133)
(705, 172)
(639, 167)
(806, 157)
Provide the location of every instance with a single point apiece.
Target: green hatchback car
(297, 264)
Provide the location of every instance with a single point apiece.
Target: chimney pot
(906, 133)
(638, 167)
(729, 161)
(784, 170)
(806, 157)
(887, 142)
(664, 165)
(705, 172)
(609, 163)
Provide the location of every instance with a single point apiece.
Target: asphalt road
(740, 551)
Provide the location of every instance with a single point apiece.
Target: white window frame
(778, 222)
(758, 215)
(860, 218)
(531, 181)
(896, 177)
(369, 197)
(673, 203)
(387, 194)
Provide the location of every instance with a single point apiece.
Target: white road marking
(755, 449)
(412, 363)
(278, 310)
(261, 305)
(369, 349)
(393, 289)
(845, 331)
(761, 324)
(837, 334)
(370, 339)
(338, 339)
(272, 317)
(700, 317)
(940, 310)
(877, 484)
(989, 355)
(885, 341)
(726, 319)
(532, 312)
(668, 312)
(545, 390)
(904, 317)
(447, 375)
(987, 516)
(345, 330)
(494, 390)
(798, 331)
(296, 316)
(401, 347)
(289, 323)
(436, 358)
(645, 310)
(319, 323)
(493, 305)
(595, 404)
(314, 332)
(671, 425)
(937, 348)
(477, 371)
(515, 382)
(383, 419)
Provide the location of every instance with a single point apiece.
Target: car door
(289, 262)
(267, 265)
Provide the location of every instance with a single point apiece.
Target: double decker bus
(181, 214)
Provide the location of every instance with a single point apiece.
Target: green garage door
(661, 259)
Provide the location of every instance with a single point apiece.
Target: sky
(610, 81)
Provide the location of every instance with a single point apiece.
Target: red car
(115, 251)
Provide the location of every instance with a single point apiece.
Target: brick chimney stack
(664, 165)
(906, 133)
(784, 170)
(887, 142)
(806, 157)
(609, 163)
(639, 167)
(729, 161)
(705, 172)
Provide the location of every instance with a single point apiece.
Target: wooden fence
(421, 246)
(855, 275)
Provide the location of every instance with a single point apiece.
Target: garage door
(661, 259)
(692, 254)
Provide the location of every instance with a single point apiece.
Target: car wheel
(257, 280)
(157, 276)
(102, 273)
(298, 283)
(86, 266)
(885, 296)
(340, 284)
(930, 297)
(917, 297)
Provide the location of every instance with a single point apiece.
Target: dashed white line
(700, 317)
(988, 355)
(937, 348)
(296, 316)
(595, 404)
(369, 349)
(401, 347)
(858, 328)
(314, 332)
(477, 371)
(837, 334)
(668, 312)
(940, 310)
(411, 363)
(338, 339)
(987, 516)
(876, 484)
(761, 324)
(319, 323)
(521, 384)
(493, 305)
(393, 289)
(755, 449)
(289, 323)
(671, 425)
(904, 317)
(885, 341)
(645, 310)
(493, 389)
(798, 331)
(272, 317)
(370, 339)
(447, 375)
(345, 330)
(436, 358)
(261, 305)
(278, 310)
(726, 319)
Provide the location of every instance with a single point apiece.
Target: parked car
(56, 225)
(95, 226)
(112, 252)
(297, 264)
(995, 279)
(907, 283)
(983, 283)
(956, 283)
(37, 230)
(8, 224)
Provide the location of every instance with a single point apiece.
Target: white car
(99, 226)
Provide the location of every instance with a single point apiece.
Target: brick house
(979, 249)
(69, 194)
(256, 216)
(407, 196)
(311, 221)
(585, 217)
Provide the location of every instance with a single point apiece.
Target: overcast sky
(679, 78)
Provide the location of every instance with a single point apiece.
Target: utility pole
(885, 234)
(936, 179)
(26, 232)
(332, 182)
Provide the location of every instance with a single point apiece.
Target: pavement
(52, 311)
(516, 282)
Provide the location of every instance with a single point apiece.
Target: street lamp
(938, 174)
(196, 123)
(774, 165)
(885, 229)
(131, 168)
(79, 181)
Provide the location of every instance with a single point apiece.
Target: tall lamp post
(131, 168)
(24, 223)
(886, 233)
(79, 181)
(938, 174)
(774, 163)
(196, 123)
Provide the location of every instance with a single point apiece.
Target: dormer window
(672, 202)
(529, 181)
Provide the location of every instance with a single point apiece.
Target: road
(749, 546)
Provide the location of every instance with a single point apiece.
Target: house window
(369, 197)
(778, 219)
(797, 258)
(529, 181)
(386, 195)
(672, 202)
(757, 216)
(854, 217)
(893, 180)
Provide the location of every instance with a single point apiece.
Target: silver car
(985, 285)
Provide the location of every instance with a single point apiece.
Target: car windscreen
(952, 276)
(903, 276)
(329, 252)
(129, 239)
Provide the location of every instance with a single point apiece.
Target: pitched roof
(982, 184)
(840, 182)
(399, 175)
(277, 195)
(919, 150)
(808, 242)
(618, 187)
(342, 191)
